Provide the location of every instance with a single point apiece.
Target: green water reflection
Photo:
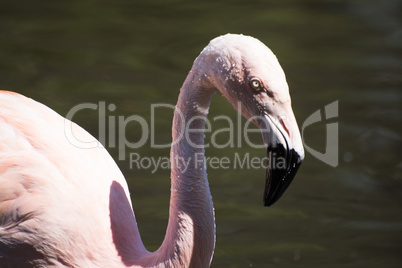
(137, 54)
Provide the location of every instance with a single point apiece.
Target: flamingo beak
(285, 154)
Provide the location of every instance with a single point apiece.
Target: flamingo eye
(255, 83)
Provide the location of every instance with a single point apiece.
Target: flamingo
(65, 206)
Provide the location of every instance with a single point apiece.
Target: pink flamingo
(64, 206)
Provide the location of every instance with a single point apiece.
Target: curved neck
(190, 235)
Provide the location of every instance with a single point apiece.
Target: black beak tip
(280, 173)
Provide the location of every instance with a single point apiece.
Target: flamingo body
(45, 190)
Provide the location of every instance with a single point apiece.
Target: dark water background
(134, 54)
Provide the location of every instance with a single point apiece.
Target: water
(133, 55)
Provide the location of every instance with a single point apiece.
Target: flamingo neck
(190, 235)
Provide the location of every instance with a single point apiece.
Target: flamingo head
(249, 75)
